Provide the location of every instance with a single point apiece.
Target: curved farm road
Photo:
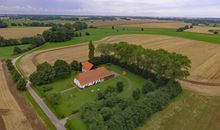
(204, 73)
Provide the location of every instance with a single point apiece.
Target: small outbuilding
(87, 66)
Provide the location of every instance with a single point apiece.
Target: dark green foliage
(45, 74)
(21, 84)
(181, 29)
(148, 87)
(80, 26)
(87, 33)
(17, 50)
(153, 64)
(114, 113)
(35, 40)
(8, 42)
(54, 98)
(120, 86)
(15, 75)
(136, 94)
(58, 33)
(10, 65)
(113, 27)
(75, 66)
(3, 24)
(142, 29)
(91, 50)
(62, 69)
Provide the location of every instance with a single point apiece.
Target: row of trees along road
(47, 73)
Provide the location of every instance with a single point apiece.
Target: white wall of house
(88, 84)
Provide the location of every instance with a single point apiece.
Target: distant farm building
(92, 77)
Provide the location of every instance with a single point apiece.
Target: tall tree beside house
(62, 69)
(91, 50)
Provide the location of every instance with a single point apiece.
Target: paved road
(59, 124)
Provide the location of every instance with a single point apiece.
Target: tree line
(111, 112)
(18, 79)
(182, 29)
(47, 73)
(146, 62)
(3, 24)
(64, 32)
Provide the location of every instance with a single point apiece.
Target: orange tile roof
(93, 75)
(87, 65)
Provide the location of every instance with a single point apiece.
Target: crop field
(203, 29)
(11, 115)
(189, 111)
(158, 24)
(21, 32)
(148, 23)
(206, 55)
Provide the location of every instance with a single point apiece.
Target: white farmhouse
(92, 77)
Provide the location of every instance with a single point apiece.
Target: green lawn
(7, 52)
(101, 32)
(72, 98)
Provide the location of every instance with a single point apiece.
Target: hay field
(11, 115)
(204, 56)
(158, 24)
(21, 32)
(202, 29)
(148, 23)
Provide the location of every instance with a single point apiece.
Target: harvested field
(158, 24)
(21, 32)
(11, 115)
(205, 57)
(202, 29)
(139, 23)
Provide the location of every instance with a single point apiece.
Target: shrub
(136, 94)
(120, 86)
(21, 84)
(148, 87)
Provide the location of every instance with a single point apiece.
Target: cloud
(180, 8)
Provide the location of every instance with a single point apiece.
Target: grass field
(72, 98)
(7, 52)
(189, 111)
(101, 32)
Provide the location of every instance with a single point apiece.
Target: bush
(17, 50)
(148, 87)
(75, 65)
(120, 86)
(21, 84)
(15, 75)
(136, 94)
(87, 33)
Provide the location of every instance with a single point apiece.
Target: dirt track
(204, 56)
(11, 115)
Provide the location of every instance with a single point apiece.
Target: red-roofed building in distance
(92, 77)
(87, 66)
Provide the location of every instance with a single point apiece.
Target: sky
(156, 8)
